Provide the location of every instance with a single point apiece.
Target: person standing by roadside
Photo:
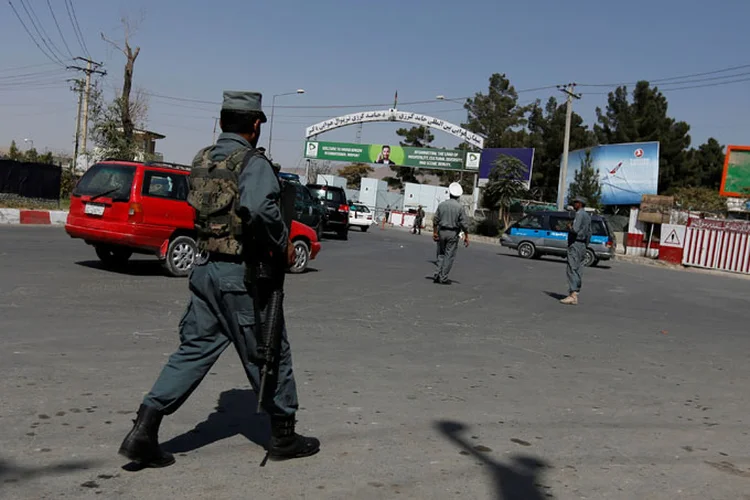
(418, 221)
(448, 222)
(579, 234)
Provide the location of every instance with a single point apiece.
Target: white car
(360, 216)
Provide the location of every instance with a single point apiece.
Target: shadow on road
(132, 268)
(11, 473)
(549, 258)
(234, 414)
(556, 296)
(520, 480)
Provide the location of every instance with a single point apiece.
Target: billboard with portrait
(626, 171)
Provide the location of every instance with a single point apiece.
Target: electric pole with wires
(92, 67)
(562, 187)
(78, 87)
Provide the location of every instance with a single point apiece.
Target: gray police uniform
(578, 238)
(450, 220)
(220, 311)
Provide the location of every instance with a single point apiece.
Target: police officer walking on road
(236, 195)
(579, 234)
(448, 222)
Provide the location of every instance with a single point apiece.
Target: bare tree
(319, 167)
(127, 84)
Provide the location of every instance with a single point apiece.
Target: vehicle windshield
(329, 195)
(598, 228)
(111, 180)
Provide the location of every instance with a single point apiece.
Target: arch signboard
(394, 115)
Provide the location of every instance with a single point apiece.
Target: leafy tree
(31, 155)
(353, 174)
(505, 184)
(14, 153)
(497, 115)
(546, 135)
(586, 183)
(645, 119)
(706, 165)
(701, 199)
(46, 158)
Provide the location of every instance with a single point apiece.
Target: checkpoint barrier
(402, 219)
(723, 245)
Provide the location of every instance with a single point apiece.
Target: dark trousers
(220, 313)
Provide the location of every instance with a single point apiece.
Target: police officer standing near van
(236, 194)
(447, 223)
(579, 234)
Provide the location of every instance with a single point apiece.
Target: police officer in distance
(579, 233)
(236, 194)
(447, 223)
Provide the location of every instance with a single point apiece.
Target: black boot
(286, 444)
(141, 445)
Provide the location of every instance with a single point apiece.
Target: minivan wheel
(344, 233)
(526, 250)
(590, 260)
(113, 256)
(301, 257)
(181, 255)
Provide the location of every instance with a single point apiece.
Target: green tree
(586, 183)
(504, 186)
(46, 158)
(497, 115)
(706, 165)
(353, 174)
(31, 155)
(546, 135)
(700, 199)
(14, 153)
(646, 119)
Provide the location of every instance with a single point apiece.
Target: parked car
(122, 208)
(334, 198)
(546, 233)
(307, 209)
(360, 216)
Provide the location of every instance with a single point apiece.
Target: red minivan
(122, 208)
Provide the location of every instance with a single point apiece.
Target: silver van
(546, 233)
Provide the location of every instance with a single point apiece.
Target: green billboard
(384, 154)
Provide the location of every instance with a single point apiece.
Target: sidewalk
(22, 216)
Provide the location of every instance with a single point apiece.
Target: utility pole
(562, 187)
(78, 89)
(91, 68)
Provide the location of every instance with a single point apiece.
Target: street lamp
(273, 106)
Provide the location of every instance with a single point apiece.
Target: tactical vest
(215, 196)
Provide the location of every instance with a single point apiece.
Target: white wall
(424, 194)
(373, 193)
(332, 180)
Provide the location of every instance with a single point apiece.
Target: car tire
(526, 250)
(364, 228)
(181, 254)
(590, 260)
(113, 257)
(344, 233)
(301, 257)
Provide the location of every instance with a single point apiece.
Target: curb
(34, 217)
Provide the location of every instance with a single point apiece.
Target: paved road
(485, 389)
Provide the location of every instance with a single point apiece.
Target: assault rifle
(269, 281)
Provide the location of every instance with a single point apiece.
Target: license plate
(93, 209)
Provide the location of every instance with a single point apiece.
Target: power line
(78, 27)
(29, 66)
(671, 78)
(41, 31)
(18, 16)
(74, 24)
(59, 30)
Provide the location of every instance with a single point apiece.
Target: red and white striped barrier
(18, 216)
(637, 239)
(718, 244)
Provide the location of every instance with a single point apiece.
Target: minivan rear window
(111, 180)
